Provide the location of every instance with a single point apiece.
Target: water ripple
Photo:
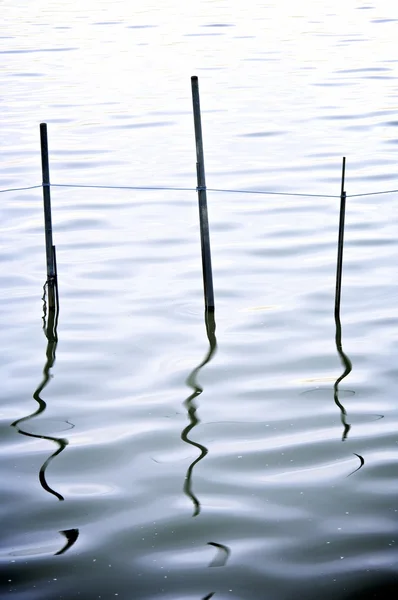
(282, 440)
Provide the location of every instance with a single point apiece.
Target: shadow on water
(191, 407)
(345, 361)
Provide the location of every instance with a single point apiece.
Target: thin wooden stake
(340, 246)
(202, 198)
(47, 202)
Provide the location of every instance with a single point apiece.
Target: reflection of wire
(50, 330)
(362, 460)
(192, 408)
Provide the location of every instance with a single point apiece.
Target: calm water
(155, 459)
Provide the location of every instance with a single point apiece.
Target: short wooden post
(202, 198)
(50, 259)
(340, 246)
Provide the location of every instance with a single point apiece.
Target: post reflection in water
(191, 407)
(71, 536)
(220, 560)
(50, 323)
(345, 361)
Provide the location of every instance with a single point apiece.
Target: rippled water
(145, 453)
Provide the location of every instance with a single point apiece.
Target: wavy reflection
(191, 407)
(50, 323)
(362, 462)
(71, 536)
(345, 361)
(220, 560)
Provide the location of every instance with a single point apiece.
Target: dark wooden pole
(47, 201)
(202, 198)
(340, 247)
(50, 257)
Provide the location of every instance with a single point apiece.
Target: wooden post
(340, 245)
(50, 259)
(202, 198)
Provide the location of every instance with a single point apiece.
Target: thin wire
(273, 193)
(22, 189)
(122, 187)
(184, 189)
(371, 194)
(177, 189)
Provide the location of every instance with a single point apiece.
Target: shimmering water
(143, 455)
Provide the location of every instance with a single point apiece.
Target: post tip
(194, 78)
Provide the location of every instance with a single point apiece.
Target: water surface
(144, 452)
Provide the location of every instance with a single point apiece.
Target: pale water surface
(129, 468)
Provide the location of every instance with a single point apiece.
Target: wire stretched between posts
(183, 189)
(21, 189)
(186, 189)
(371, 194)
(264, 192)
